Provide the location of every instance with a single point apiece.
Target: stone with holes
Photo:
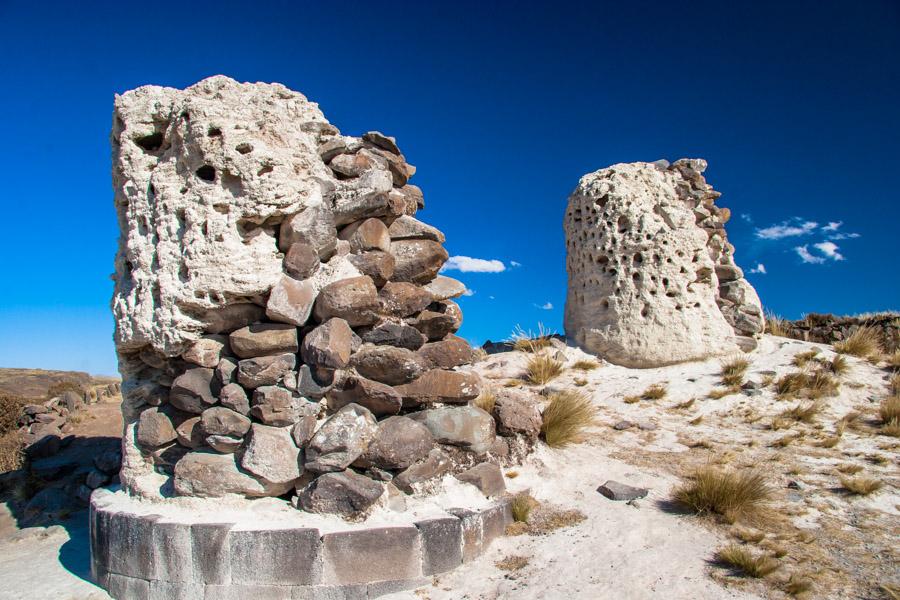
(341, 439)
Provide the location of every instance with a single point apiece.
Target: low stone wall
(828, 329)
(139, 556)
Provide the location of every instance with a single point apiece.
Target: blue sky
(502, 107)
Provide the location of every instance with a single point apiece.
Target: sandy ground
(641, 550)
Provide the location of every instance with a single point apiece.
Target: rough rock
(622, 492)
(224, 443)
(212, 475)
(388, 364)
(466, 426)
(398, 443)
(314, 383)
(375, 264)
(279, 407)
(155, 429)
(371, 234)
(402, 299)
(264, 339)
(437, 385)
(328, 345)
(379, 398)
(445, 288)
(389, 333)
(301, 261)
(291, 301)
(341, 439)
(270, 454)
(219, 420)
(303, 430)
(435, 465)
(417, 261)
(226, 372)
(228, 318)
(410, 228)
(382, 141)
(355, 300)
(207, 351)
(190, 434)
(448, 353)
(517, 412)
(265, 370)
(184, 150)
(313, 226)
(234, 397)
(192, 390)
(345, 493)
(487, 477)
(642, 286)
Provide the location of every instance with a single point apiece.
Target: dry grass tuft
(566, 418)
(479, 354)
(719, 393)
(526, 341)
(829, 442)
(512, 474)
(851, 420)
(512, 563)
(10, 411)
(541, 368)
(654, 392)
(862, 485)
(485, 401)
(733, 371)
(729, 494)
(696, 420)
(522, 505)
(798, 585)
(511, 383)
(802, 359)
(817, 384)
(11, 457)
(751, 536)
(585, 365)
(790, 384)
(839, 365)
(683, 405)
(821, 384)
(776, 325)
(631, 399)
(744, 562)
(864, 342)
(850, 469)
(894, 384)
(889, 414)
(580, 382)
(891, 591)
(892, 360)
(804, 413)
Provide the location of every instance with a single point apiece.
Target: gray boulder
(155, 429)
(279, 407)
(341, 439)
(271, 454)
(345, 493)
(621, 492)
(234, 397)
(435, 465)
(328, 345)
(192, 390)
(466, 426)
(219, 420)
(212, 475)
(265, 370)
(379, 398)
(487, 477)
(354, 299)
(388, 364)
(398, 443)
(264, 339)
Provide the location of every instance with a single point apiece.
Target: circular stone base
(140, 555)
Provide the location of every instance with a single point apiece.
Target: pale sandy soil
(624, 551)
(848, 544)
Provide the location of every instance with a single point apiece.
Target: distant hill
(34, 383)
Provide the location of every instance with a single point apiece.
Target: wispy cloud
(832, 226)
(468, 292)
(747, 217)
(807, 257)
(829, 249)
(467, 264)
(833, 234)
(759, 269)
(514, 263)
(790, 228)
(545, 306)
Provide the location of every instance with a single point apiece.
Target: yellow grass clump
(522, 504)
(889, 414)
(744, 562)
(654, 392)
(776, 325)
(566, 418)
(485, 401)
(541, 368)
(585, 365)
(804, 413)
(526, 341)
(733, 371)
(861, 485)
(801, 359)
(864, 342)
(730, 494)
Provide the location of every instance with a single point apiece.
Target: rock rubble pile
(282, 328)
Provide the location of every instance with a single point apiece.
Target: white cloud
(789, 228)
(468, 264)
(746, 217)
(807, 257)
(468, 292)
(514, 263)
(832, 226)
(844, 236)
(545, 306)
(830, 249)
(759, 268)
(491, 297)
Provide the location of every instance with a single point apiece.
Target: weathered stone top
(197, 174)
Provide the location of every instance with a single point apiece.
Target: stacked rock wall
(652, 278)
(280, 321)
(828, 329)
